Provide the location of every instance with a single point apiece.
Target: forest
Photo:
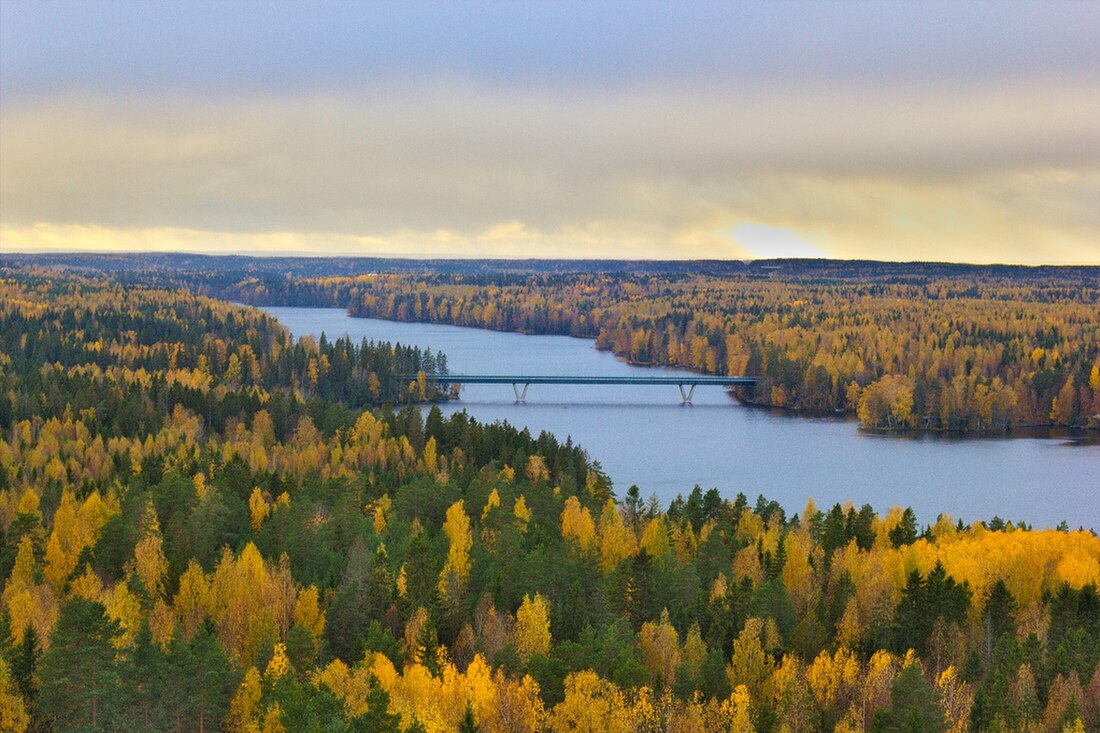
(209, 526)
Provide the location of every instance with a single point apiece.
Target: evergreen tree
(378, 718)
(202, 681)
(145, 678)
(24, 667)
(638, 582)
(347, 617)
(421, 573)
(924, 600)
(1000, 613)
(80, 677)
(468, 724)
(905, 533)
(913, 706)
(380, 592)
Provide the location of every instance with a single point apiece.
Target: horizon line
(270, 254)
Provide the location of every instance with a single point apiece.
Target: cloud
(971, 172)
(499, 241)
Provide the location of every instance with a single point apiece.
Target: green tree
(145, 678)
(24, 667)
(378, 718)
(914, 707)
(468, 724)
(905, 533)
(202, 681)
(80, 677)
(924, 600)
(1000, 613)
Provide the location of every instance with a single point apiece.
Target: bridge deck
(685, 379)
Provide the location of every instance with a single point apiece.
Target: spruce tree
(913, 707)
(468, 724)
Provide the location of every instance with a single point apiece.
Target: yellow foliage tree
(750, 665)
(490, 504)
(149, 561)
(250, 601)
(64, 543)
(591, 705)
(308, 613)
(519, 706)
(521, 513)
(537, 472)
(279, 663)
(532, 635)
(577, 526)
(797, 573)
(199, 481)
(660, 645)
(13, 711)
(655, 538)
(58, 564)
(695, 649)
(191, 599)
(27, 602)
(125, 608)
(245, 703)
(456, 569)
(273, 722)
(431, 456)
(381, 513)
(834, 680)
(258, 509)
(28, 502)
(958, 699)
(617, 542)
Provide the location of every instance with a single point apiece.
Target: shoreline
(1088, 434)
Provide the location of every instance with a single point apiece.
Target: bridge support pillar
(521, 394)
(687, 395)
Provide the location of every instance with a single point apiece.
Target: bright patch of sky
(765, 242)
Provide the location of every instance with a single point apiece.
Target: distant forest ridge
(219, 268)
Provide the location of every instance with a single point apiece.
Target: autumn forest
(206, 524)
(958, 350)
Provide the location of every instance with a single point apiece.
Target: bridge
(520, 382)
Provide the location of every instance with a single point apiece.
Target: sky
(888, 130)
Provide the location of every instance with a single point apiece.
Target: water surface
(643, 435)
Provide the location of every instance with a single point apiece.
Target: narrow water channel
(643, 435)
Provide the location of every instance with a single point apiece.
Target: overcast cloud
(889, 130)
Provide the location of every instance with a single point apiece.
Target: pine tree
(80, 677)
(212, 677)
(145, 681)
(201, 680)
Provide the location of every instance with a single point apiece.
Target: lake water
(643, 435)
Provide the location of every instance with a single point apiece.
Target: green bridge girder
(687, 382)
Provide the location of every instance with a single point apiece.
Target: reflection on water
(643, 435)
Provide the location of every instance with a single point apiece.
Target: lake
(643, 435)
